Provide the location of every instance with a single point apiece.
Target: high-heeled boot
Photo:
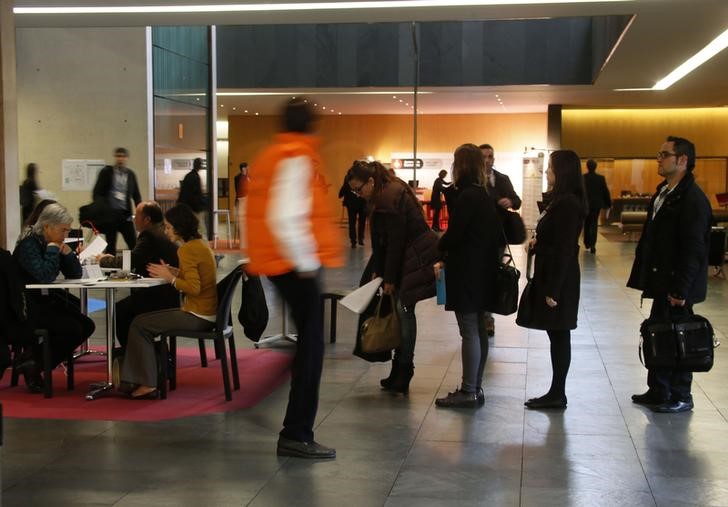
(401, 381)
(386, 383)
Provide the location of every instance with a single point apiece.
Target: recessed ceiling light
(282, 7)
(716, 46)
(256, 114)
(246, 110)
(221, 105)
(235, 109)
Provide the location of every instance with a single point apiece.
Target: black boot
(386, 383)
(401, 381)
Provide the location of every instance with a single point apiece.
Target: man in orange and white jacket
(291, 236)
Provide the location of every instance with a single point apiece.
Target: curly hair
(184, 221)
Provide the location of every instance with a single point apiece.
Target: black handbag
(525, 316)
(506, 286)
(253, 313)
(513, 226)
(680, 343)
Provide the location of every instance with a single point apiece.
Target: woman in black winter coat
(555, 288)
(404, 250)
(471, 248)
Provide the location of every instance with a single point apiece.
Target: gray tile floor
(400, 452)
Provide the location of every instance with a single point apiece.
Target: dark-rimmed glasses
(665, 154)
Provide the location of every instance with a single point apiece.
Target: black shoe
(310, 450)
(459, 399)
(648, 399)
(33, 378)
(673, 407)
(593, 250)
(361, 242)
(401, 381)
(546, 401)
(481, 397)
(353, 244)
(386, 383)
(151, 395)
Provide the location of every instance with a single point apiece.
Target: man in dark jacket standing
(598, 197)
(190, 192)
(438, 189)
(671, 262)
(117, 186)
(356, 210)
(500, 188)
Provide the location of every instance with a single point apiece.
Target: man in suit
(501, 190)
(671, 263)
(598, 196)
(152, 246)
(117, 186)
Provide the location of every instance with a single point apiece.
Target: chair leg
(203, 353)
(234, 363)
(47, 370)
(163, 369)
(14, 375)
(173, 355)
(69, 372)
(220, 346)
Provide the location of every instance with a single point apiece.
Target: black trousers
(303, 298)
(67, 327)
(591, 224)
(668, 384)
(436, 218)
(126, 228)
(356, 213)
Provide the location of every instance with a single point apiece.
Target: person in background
(196, 280)
(355, 208)
(117, 187)
(403, 252)
(28, 191)
(42, 254)
(153, 246)
(190, 193)
(436, 199)
(500, 188)
(290, 237)
(671, 262)
(471, 246)
(556, 277)
(242, 180)
(597, 194)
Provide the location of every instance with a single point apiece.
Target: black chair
(222, 331)
(42, 336)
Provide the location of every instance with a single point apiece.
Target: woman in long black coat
(554, 292)
(471, 248)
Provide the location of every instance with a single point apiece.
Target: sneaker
(458, 399)
(674, 407)
(309, 450)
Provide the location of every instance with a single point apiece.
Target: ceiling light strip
(716, 46)
(309, 6)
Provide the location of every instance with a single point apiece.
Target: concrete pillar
(10, 217)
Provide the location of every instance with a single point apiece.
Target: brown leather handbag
(381, 333)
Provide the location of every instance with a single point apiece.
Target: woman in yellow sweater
(195, 279)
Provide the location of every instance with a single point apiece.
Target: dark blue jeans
(303, 298)
(668, 384)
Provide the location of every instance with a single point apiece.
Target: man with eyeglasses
(671, 262)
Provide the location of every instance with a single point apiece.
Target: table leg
(103, 388)
(84, 349)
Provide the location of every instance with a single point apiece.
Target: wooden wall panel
(347, 138)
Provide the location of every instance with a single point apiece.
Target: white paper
(96, 247)
(126, 260)
(358, 300)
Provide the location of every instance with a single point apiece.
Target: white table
(110, 287)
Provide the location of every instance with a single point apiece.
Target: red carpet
(199, 390)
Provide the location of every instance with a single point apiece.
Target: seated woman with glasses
(196, 279)
(42, 254)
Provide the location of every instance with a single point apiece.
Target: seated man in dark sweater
(152, 246)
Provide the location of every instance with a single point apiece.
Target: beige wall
(81, 93)
(346, 138)
(10, 217)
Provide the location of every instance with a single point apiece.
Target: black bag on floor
(681, 343)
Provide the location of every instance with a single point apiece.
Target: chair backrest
(225, 292)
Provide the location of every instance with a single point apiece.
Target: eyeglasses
(357, 190)
(665, 154)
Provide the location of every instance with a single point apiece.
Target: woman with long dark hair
(403, 252)
(196, 279)
(470, 245)
(555, 287)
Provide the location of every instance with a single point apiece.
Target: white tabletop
(104, 284)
